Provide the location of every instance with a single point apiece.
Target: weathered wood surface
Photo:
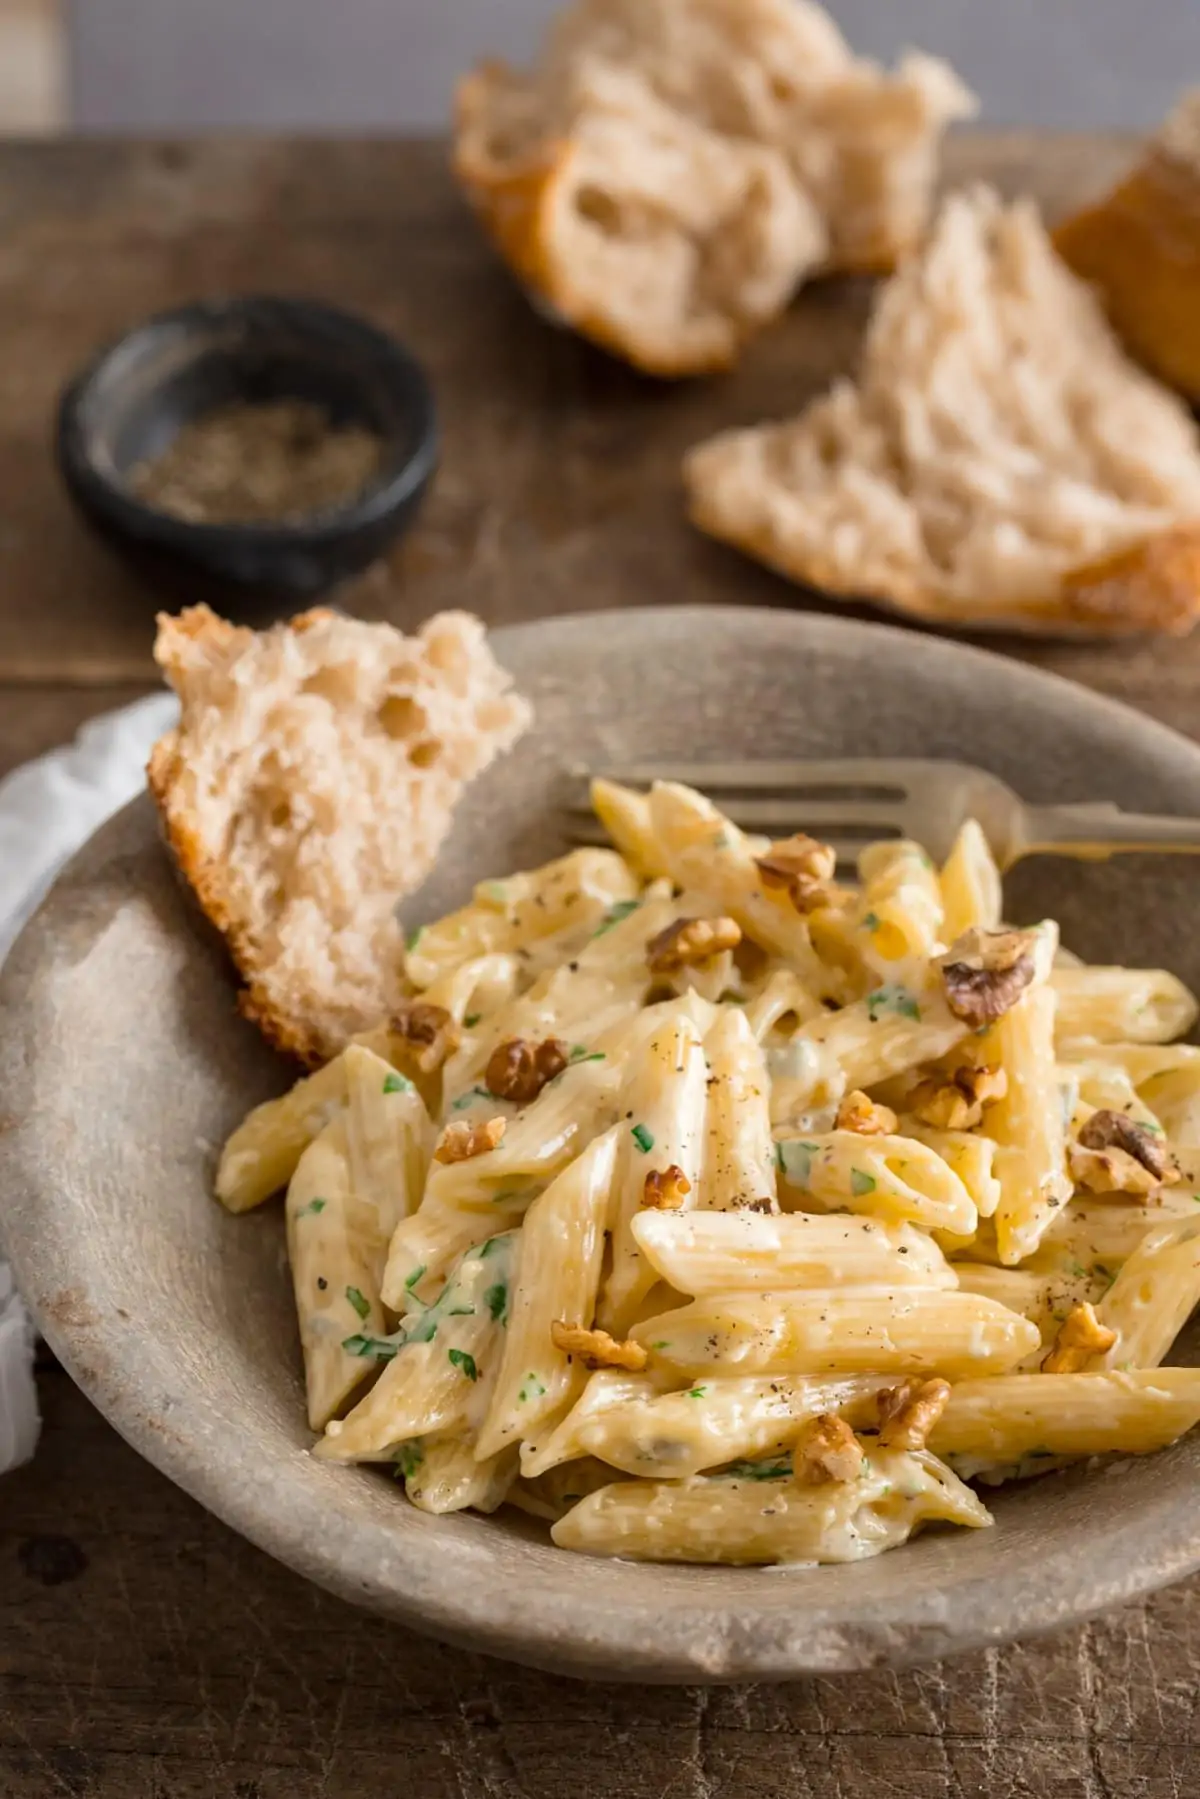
(145, 1651)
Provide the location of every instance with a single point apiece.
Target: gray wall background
(185, 65)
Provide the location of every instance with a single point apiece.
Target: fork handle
(1094, 833)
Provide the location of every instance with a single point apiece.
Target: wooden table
(146, 1652)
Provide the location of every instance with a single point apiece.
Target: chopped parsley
(1078, 1270)
(533, 1388)
(663, 1343)
(461, 1312)
(382, 1348)
(494, 892)
(871, 921)
(697, 1392)
(795, 1161)
(470, 1096)
(472, 1019)
(409, 1457)
(396, 1083)
(891, 998)
(496, 1301)
(414, 937)
(466, 1363)
(642, 1138)
(615, 914)
(861, 1183)
(414, 1277)
(312, 1208)
(493, 1243)
(361, 1306)
(776, 1470)
(581, 1053)
(721, 841)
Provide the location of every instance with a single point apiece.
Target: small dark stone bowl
(132, 400)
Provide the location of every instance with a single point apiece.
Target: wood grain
(146, 1652)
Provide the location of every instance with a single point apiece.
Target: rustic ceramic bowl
(123, 1064)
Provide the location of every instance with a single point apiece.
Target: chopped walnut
(1114, 1154)
(428, 1033)
(801, 867)
(986, 972)
(596, 1349)
(691, 940)
(460, 1141)
(1082, 1336)
(908, 1412)
(957, 1104)
(862, 1115)
(519, 1069)
(666, 1188)
(827, 1450)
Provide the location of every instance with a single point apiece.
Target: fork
(853, 802)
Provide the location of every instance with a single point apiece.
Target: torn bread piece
(671, 170)
(1140, 246)
(309, 785)
(998, 462)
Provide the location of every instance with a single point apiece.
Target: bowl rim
(96, 488)
(701, 1640)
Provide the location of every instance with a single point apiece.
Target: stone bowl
(123, 1064)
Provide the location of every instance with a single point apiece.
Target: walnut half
(518, 1069)
(957, 1103)
(863, 1116)
(908, 1412)
(1082, 1336)
(427, 1032)
(596, 1349)
(461, 1141)
(666, 1189)
(691, 940)
(799, 866)
(1114, 1154)
(985, 973)
(827, 1450)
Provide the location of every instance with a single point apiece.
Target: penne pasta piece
(261, 1155)
(894, 1028)
(625, 815)
(1020, 1415)
(1028, 1125)
(425, 1246)
(970, 1156)
(438, 1373)
(663, 1105)
(782, 996)
(1172, 1099)
(389, 1138)
(336, 1250)
(573, 894)
(444, 1476)
(912, 1330)
(477, 988)
(898, 920)
(885, 1177)
(558, 1273)
(970, 884)
(705, 853)
(1108, 1230)
(671, 1435)
(607, 1387)
(1153, 1297)
(1121, 1005)
(551, 1495)
(746, 1518)
(726, 1252)
(739, 1158)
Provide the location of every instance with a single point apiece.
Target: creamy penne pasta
(708, 1207)
(743, 1517)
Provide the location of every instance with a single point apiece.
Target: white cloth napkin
(48, 809)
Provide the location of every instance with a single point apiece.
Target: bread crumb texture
(998, 461)
(670, 170)
(309, 785)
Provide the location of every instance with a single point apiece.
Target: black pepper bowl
(128, 405)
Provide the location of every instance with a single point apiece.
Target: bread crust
(1151, 587)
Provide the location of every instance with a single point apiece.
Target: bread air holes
(404, 720)
(338, 683)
